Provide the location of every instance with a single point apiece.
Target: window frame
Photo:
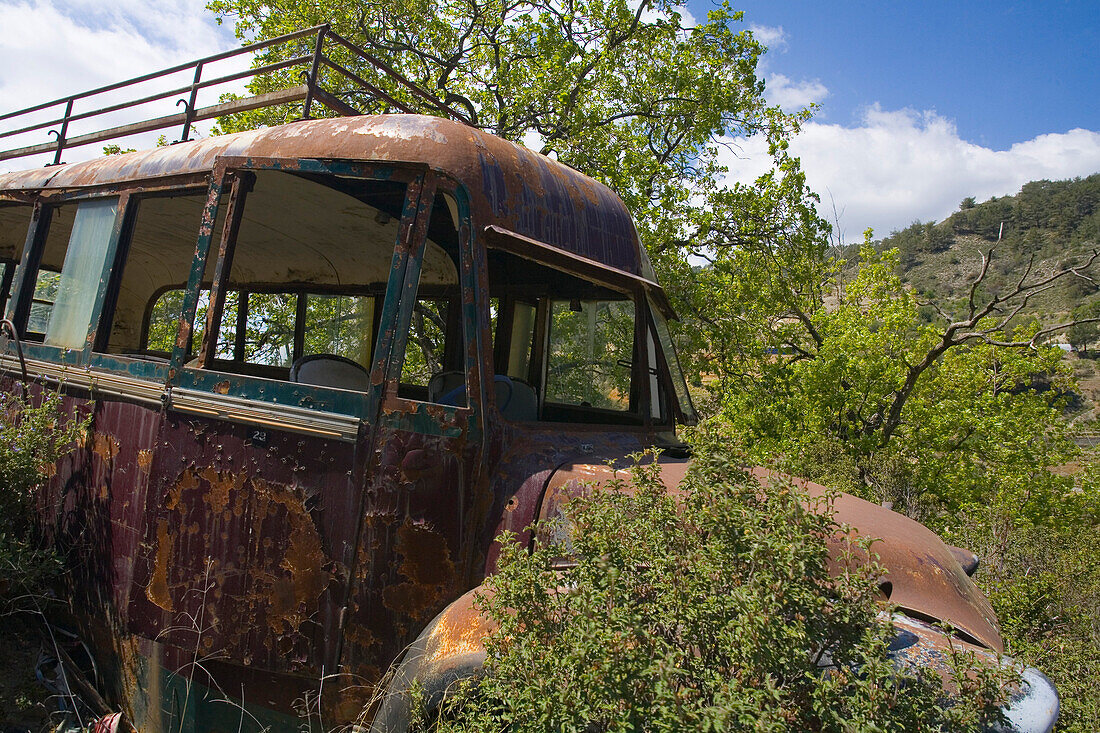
(643, 293)
(26, 275)
(269, 396)
(423, 416)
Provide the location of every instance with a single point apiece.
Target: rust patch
(220, 484)
(222, 387)
(461, 631)
(244, 548)
(302, 561)
(184, 337)
(104, 446)
(145, 459)
(157, 592)
(427, 566)
(426, 557)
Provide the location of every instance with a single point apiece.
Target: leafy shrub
(715, 610)
(34, 434)
(1044, 583)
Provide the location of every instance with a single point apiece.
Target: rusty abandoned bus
(327, 363)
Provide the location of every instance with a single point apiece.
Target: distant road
(1087, 439)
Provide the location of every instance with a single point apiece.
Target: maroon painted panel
(247, 547)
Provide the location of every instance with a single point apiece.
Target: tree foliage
(862, 392)
(625, 92)
(1044, 584)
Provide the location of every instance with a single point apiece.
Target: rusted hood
(926, 579)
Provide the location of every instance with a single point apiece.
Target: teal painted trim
(130, 366)
(479, 358)
(391, 171)
(186, 705)
(401, 294)
(273, 391)
(56, 354)
(198, 266)
(346, 168)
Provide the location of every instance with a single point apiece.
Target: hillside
(1048, 224)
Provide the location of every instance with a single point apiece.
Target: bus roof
(510, 187)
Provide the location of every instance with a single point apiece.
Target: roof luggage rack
(308, 92)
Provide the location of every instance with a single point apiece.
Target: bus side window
(143, 318)
(308, 263)
(14, 223)
(42, 300)
(69, 274)
(570, 341)
(339, 324)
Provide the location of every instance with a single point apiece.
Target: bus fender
(450, 649)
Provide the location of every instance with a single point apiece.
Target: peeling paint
(275, 576)
(158, 590)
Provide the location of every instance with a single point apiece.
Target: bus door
(426, 499)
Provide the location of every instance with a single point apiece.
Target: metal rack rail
(308, 92)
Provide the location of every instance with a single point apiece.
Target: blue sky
(1004, 72)
(919, 104)
(922, 104)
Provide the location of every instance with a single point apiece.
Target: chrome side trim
(98, 383)
(278, 417)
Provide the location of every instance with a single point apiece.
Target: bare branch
(1030, 343)
(986, 258)
(959, 332)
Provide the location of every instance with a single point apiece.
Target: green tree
(625, 92)
(856, 388)
(1086, 330)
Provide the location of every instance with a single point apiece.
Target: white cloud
(793, 95)
(687, 18)
(899, 166)
(54, 48)
(781, 89)
(774, 37)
